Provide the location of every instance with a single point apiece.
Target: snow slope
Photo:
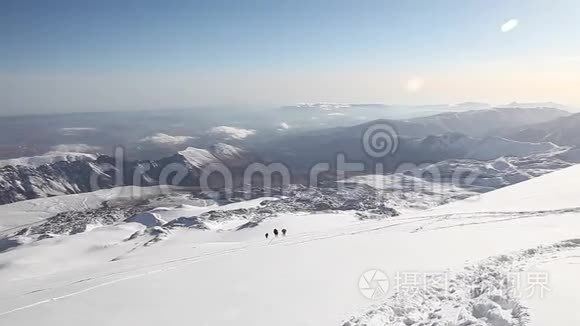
(557, 190)
(311, 276)
(35, 210)
(561, 303)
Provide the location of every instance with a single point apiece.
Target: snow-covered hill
(28, 212)
(49, 158)
(456, 145)
(479, 122)
(416, 143)
(491, 147)
(562, 131)
(129, 274)
(63, 174)
(217, 153)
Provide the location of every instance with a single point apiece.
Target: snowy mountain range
(49, 158)
(490, 200)
(460, 262)
(438, 138)
(486, 122)
(27, 181)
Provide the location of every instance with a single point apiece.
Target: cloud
(75, 131)
(283, 126)
(231, 132)
(415, 84)
(75, 148)
(509, 25)
(165, 139)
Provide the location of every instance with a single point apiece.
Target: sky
(63, 56)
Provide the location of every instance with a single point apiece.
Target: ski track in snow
(493, 217)
(287, 240)
(385, 314)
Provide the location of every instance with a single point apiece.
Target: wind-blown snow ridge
(48, 158)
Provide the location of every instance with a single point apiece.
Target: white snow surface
(149, 219)
(311, 276)
(198, 157)
(559, 306)
(220, 152)
(226, 152)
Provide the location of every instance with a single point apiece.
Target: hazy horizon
(70, 56)
(224, 109)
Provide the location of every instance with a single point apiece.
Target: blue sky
(92, 55)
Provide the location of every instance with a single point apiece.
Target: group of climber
(276, 233)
